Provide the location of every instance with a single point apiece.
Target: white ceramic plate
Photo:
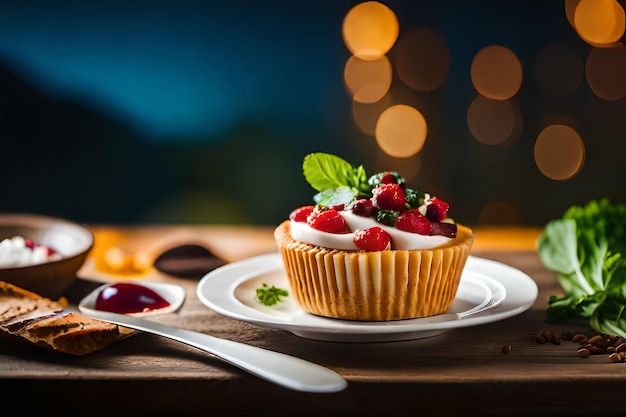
(173, 294)
(489, 291)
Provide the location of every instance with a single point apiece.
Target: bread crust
(31, 318)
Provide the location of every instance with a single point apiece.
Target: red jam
(125, 298)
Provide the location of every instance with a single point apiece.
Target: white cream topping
(14, 253)
(400, 239)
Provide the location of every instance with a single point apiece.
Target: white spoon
(279, 368)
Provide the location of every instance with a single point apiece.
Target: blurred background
(118, 112)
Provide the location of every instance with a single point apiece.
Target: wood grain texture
(461, 372)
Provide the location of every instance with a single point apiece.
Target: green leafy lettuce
(337, 181)
(587, 251)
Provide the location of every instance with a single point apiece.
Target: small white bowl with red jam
(42, 254)
(134, 298)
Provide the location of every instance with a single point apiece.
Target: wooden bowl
(50, 279)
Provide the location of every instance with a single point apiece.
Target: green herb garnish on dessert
(337, 181)
(270, 296)
(586, 249)
(369, 247)
(384, 196)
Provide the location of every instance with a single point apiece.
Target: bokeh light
(401, 131)
(606, 72)
(570, 10)
(368, 81)
(494, 122)
(496, 72)
(370, 30)
(559, 152)
(558, 70)
(422, 59)
(366, 114)
(599, 21)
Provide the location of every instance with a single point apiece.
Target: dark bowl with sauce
(71, 241)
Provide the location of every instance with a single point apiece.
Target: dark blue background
(201, 112)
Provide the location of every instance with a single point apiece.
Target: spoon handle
(279, 368)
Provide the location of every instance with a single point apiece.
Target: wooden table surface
(462, 372)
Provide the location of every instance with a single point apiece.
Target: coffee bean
(599, 344)
(540, 338)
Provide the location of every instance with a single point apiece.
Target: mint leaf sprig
(270, 296)
(337, 181)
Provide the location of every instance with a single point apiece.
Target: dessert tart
(371, 248)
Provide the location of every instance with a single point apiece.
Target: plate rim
(253, 266)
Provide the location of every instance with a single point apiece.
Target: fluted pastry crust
(374, 286)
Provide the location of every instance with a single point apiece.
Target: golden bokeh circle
(368, 81)
(370, 30)
(559, 152)
(599, 22)
(496, 72)
(401, 131)
(605, 71)
(493, 122)
(422, 59)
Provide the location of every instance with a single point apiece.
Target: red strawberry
(389, 197)
(327, 220)
(413, 221)
(437, 210)
(301, 213)
(372, 239)
(388, 178)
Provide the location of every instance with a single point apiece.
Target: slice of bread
(34, 319)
